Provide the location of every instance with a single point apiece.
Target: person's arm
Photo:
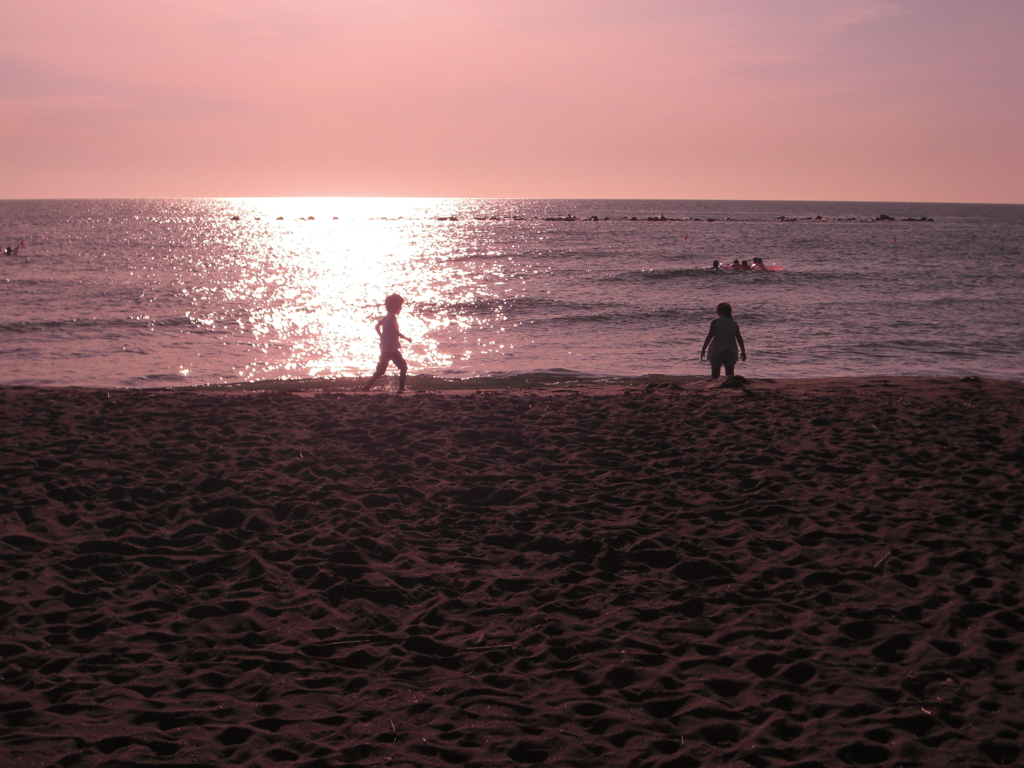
(739, 339)
(377, 326)
(711, 335)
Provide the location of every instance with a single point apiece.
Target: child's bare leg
(381, 367)
(730, 369)
(716, 370)
(402, 369)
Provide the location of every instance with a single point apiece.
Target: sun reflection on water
(305, 280)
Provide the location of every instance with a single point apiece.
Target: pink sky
(919, 100)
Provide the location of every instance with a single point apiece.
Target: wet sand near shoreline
(805, 572)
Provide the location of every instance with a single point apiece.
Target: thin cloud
(564, 97)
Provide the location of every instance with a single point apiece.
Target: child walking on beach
(723, 338)
(390, 347)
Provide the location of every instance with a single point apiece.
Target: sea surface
(157, 293)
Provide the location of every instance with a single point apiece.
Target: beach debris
(734, 382)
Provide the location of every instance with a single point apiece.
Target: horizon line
(526, 199)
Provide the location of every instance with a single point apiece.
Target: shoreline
(802, 571)
(425, 384)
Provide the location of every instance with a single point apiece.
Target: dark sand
(811, 573)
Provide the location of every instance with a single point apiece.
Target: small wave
(113, 325)
(161, 379)
(174, 322)
(507, 305)
(619, 317)
(647, 275)
(477, 257)
(536, 380)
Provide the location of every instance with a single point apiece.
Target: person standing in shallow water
(390, 346)
(723, 338)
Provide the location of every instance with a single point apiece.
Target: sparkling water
(143, 293)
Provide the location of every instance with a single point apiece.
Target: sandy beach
(791, 573)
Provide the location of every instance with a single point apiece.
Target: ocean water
(155, 293)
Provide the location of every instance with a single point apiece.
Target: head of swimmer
(393, 303)
(724, 309)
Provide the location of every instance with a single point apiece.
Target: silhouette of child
(390, 347)
(723, 338)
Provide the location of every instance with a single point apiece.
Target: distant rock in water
(884, 217)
